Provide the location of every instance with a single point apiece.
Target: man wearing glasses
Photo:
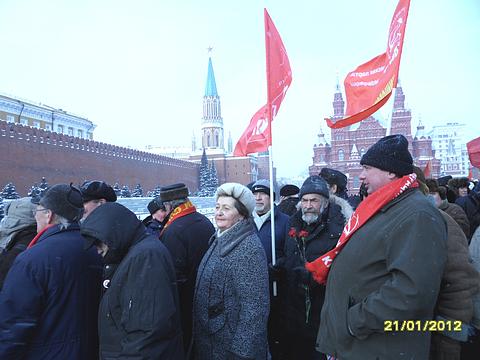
(49, 301)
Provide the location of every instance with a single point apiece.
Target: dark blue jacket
(49, 301)
(281, 232)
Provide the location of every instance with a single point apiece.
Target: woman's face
(226, 215)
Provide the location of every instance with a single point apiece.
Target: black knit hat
(63, 200)
(155, 205)
(173, 192)
(334, 177)
(94, 190)
(289, 190)
(314, 185)
(390, 154)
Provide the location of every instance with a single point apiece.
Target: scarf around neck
(180, 211)
(366, 210)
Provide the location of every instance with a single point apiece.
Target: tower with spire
(212, 122)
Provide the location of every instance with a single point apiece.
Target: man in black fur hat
(185, 235)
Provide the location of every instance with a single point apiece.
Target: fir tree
(10, 192)
(204, 174)
(213, 179)
(138, 191)
(155, 192)
(37, 190)
(125, 193)
(43, 185)
(117, 189)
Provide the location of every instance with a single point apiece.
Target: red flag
(258, 135)
(370, 85)
(473, 148)
(427, 171)
(256, 138)
(279, 73)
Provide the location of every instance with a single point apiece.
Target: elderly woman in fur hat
(231, 302)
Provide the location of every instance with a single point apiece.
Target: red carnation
(303, 233)
(292, 233)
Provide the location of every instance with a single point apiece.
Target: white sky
(137, 69)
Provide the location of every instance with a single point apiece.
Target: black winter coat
(187, 240)
(18, 244)
(138, 317)
(471, 205)
(288, 206)
(322, 237)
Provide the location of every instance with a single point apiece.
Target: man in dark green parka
(383, 284)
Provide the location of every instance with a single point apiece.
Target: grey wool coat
(231, 302)
(390, 270)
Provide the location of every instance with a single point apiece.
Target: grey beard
(310, 218)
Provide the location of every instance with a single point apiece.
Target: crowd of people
(389, 273)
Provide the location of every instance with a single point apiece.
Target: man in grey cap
(262, 217)
(314, 229)
(185, 235)
(49, 301)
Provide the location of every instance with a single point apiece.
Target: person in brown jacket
(460, 282)
(439, 193)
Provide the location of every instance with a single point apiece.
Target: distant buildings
(229, 168)
(28, 113)
(347, 145)
(449, 143)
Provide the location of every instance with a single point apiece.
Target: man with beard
(314, 229)
(139, 313)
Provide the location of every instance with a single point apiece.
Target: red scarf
(367, 208)
(181, 210)
(35, 239)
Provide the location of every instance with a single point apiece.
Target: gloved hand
(302, 276)
(277, 272)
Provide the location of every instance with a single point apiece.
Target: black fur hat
(173, 192)
(334, 177)
(63, 200)
(391, 154)
(94, 190)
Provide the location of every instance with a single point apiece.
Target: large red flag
(370, 85)
(258, 135)
(256, 138)
(473, 148)
(279, 74)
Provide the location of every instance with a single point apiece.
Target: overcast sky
(137, 69)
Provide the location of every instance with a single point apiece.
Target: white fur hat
(238, 192)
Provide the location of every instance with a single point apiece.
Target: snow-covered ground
(204, 205)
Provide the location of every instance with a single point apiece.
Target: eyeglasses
(34, 212)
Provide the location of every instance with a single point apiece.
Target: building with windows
(348, 144)
(41, 116)
(450, 145)
(212, 139)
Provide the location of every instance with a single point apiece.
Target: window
(24, 121)
(70, 131)
(356, 182)
(48, 127)
(89, 135)
(80, 133)
(341, 155)
(10, 118)
(36, 124)
(362, 152)
(60, 129)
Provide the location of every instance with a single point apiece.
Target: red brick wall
(27, 154)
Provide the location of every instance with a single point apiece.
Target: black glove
(277, 272)
(301, 275)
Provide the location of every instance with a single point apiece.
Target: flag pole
(270, 148)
